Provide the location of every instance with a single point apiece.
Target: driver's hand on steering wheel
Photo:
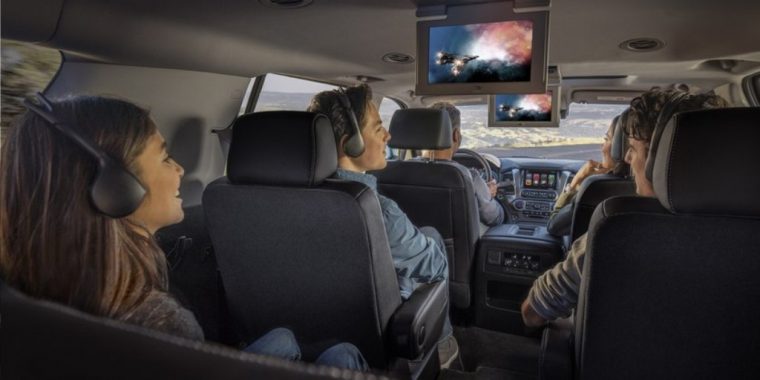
(492, 188)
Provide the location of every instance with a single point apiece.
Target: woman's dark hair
(645, 110)
(327, 103)
(53, 244)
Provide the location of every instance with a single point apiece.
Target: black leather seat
(45, 340)
(670, 287)
(597, 188)
(434, 193)
(300, 250)
(193, 277)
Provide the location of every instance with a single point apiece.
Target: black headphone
(114, 191)
(354, 146)
(662, 120)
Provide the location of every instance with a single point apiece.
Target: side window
(751, 86)
(281, 93)
(387, 107)
(26, 69)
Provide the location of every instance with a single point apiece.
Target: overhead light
(398, 58)
(286, 4)
(641, 45)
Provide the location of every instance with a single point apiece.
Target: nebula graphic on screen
(522, 107)
(475, 53)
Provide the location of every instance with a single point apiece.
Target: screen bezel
(553, 123)
(482, 14)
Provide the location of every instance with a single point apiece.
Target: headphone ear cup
(662, 122)
(115, 191)
(652, 153)
(354, 145)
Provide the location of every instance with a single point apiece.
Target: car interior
(670, 286)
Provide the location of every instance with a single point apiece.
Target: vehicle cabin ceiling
(337, 40)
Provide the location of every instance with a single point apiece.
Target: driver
(555, 294)
(491, 212)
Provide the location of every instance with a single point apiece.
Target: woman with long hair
(561, 218)
(55, 245)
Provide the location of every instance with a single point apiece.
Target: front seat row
(297, 248)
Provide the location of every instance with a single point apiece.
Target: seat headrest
(619, 141)
(705, 163)
(420, 128)
(282, 148)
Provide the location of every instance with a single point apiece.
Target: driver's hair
(454, 114)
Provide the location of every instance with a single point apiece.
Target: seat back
(193, 276)
(295, 249)
(597, 188)
(45, 340)
(434, 193)
(670, 287)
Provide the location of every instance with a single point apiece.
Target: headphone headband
(668, 111)
(354, 145)
(114, 191)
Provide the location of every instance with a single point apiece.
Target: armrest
(416, 325)
(555, 360)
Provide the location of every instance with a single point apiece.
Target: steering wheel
(479, 159)
(510, 212)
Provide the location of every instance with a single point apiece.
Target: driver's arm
(491, 212)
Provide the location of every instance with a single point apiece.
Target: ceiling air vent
(288, 4)
(398, 58)
(642, 44)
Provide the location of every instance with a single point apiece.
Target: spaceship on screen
(509, 110)
(458, 61)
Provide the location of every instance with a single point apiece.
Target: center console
(538, 190)
(509, 259)
(531, 193)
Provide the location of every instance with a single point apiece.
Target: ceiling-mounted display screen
(482, 49)
(524, 110)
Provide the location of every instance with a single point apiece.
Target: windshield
(578, 136)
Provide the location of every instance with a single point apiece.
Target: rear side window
(282, 93)
(26, 69)
(387, 107)
(752, 89)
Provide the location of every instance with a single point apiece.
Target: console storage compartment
(509, 258)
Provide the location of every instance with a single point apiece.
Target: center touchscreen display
(535, 179)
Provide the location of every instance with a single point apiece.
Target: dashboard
(527, 188)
